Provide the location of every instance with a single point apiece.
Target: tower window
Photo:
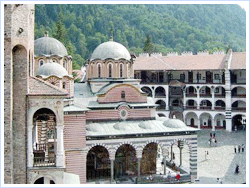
(64, 64)
(110, 70)
(121, 70)
(99, 70)
(64, 85)
(123, 95)
(41, 62)
(54, 60)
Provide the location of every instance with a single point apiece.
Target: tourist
(239, 148)
(178, 176)
(242, 148)
(237, 169)
(169, 176)
(235, 149)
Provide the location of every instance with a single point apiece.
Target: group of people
(212, 139)
(240, 148)
(177, 177)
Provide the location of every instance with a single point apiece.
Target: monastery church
(60, 132)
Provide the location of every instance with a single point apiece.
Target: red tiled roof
(40, 87)
(192, 62)
(238, 60)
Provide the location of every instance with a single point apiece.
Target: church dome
(111, 50)
(49, 69)
(122, 126)
(145, 125)
(49, 46)
(174, 123)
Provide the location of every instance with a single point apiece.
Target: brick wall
(18, 63)
(74, 142)
(132, 94)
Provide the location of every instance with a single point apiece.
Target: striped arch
(88, 148)
(152, 141)
(125, 142)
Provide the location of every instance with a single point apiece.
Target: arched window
(64, 85)
(54, 60)
(121, 70)
(64, 63)
(110, 70)
(123, 95)
(99, 70)
(92, 70)
(41, 62)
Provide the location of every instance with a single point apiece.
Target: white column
(30, 156)
(60, 148)
(229, 125)
(184, 98)
(198, 98)
(167, 97)
(212, 90)
(213, 124)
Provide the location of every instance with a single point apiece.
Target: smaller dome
(145, 125)
(94, 127)
(111, 49)
(122, 126)
(49, 69)
(174, 123)
(49, 46)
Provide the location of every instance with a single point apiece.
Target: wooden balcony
(239, 96)
(239, 109)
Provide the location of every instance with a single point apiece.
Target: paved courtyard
(221, 161)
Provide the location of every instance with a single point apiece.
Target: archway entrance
(125, 161)
(148, 161)
(237, 123)
(44, 137)
(98, 163)
(43, 180)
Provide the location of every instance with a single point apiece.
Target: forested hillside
(172, 27)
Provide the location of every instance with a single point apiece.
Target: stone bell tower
(18, 66)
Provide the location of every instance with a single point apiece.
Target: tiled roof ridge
(163, 62)
(50, 85)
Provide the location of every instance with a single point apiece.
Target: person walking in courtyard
(178, 176)
(235, 149)
(239, 148)
(169, 176)
(242, 148)
(237, 169)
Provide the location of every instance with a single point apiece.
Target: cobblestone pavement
(221, 161)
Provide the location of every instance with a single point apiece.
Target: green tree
(60, 32)
(148, 45)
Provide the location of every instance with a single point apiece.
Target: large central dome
(49, 46)
(111, 50)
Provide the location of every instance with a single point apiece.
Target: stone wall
(18, 63)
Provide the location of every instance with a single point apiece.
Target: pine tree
(61, 31)
(148, 45)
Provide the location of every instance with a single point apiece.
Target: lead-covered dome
(174, 123)
(49, 46)
(111, 49)
(49, 69)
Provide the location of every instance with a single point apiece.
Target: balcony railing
(219, 108)
(205, 107)
(191, 95)
(191, 107)
(240, 95)
(44, 161)
(205, 95)
(242, 109)
(220, 95)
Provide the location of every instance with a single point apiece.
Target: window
(64, 64)
(182, 77)
(64, 85)
(123, 95)
(216, 76)
(121, 70)
(41, 62)
(54, 60)
(198, 76)
(99, 70)
(110, 70)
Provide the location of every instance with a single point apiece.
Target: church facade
(58, 132)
